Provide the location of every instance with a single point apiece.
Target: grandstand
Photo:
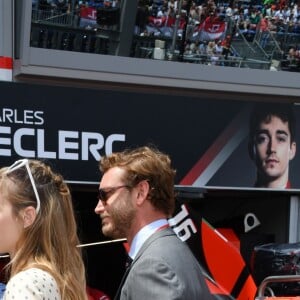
(93, 27)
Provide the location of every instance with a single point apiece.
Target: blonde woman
(38, 231)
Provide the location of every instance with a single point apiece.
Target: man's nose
(272, 146)
(99, 208)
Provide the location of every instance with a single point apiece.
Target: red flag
(157, 22)
(170, 22)
(212, 29)
(89, 13)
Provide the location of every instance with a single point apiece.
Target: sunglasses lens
(102, 195)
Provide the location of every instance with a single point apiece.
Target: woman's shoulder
(32, 283)
(33, 274)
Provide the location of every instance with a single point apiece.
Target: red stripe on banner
(212, 152)
(6, 62)
(208, 156)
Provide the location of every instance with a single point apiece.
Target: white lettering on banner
(113, 138)
(39, 119)
(29, 117)
(19, 134)
(5, 141)
(69, 143)
(182, 225)
(41, 146)
(63, 136)
(86, 136)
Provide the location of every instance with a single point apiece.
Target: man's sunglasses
(104, 194)
(25, 163)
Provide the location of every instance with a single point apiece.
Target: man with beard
(272, 144)
(136, 197)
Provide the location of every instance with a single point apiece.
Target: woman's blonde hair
(50, 242)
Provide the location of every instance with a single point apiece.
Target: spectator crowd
(202, 21)
(206, 26)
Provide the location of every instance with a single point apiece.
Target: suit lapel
(151, 239)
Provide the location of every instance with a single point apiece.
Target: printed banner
(208, 140)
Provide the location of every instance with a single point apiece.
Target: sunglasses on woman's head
(25, 163)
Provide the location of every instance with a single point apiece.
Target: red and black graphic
(206, 139)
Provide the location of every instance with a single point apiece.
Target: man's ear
(142, 191)
(292, 150)
(29, 215)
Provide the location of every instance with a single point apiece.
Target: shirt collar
(143, 234)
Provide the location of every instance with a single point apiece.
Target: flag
(212, 29)
(6, 65)
(157, 22)
(88, 16)
(88, 13)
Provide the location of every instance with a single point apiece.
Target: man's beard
(121, 219)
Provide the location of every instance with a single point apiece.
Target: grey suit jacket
(164, 269)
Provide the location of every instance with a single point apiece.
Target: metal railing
(230, 61)
(266, 41)
(263, 287)
(70, 39)
(54, 17)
